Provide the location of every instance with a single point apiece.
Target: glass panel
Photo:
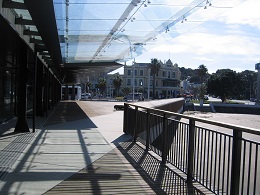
(120, 30)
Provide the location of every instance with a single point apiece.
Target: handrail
(221, 124)
(216, 160)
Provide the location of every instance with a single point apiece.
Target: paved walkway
(81, 148)
(33, 163)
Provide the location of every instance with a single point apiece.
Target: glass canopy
(119, 30)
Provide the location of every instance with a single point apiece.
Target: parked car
(206, 97)
(85, 96)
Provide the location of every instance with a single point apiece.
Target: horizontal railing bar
(250, 141)
(221, 124)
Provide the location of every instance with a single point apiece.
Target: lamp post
(148, 83)
(257, 67)
(133, 79)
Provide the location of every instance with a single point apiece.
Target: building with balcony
(167, 81)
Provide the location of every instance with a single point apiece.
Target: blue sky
(230, 40)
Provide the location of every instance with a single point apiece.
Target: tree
(117, 81)
(102, 84)
(202, 89)
(202, 72)
(224, 83)
(126, 91)
(88, 85)
(154, 66)
(248, 79)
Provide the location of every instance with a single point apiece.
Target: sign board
(257, 66)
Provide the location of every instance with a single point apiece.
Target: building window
(164, 74)
(173, 75)
(141, 72)
(141, 82)
(135, 72)
(135, 82)
(128, 72)
(128, 82)
(170, 83)
(169, 74)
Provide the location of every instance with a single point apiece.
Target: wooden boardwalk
(127, 169)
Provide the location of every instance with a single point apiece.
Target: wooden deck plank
(107, 175)
(125, 170)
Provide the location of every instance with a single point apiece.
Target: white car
(85, 96)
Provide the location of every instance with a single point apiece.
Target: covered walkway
(81, 148)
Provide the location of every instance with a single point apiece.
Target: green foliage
(126, 90)
(154, 66)
(193, 74)
(248, 84)
(202, 90)
(202, 72)
(117, 81)
(88, 86)
(102, 84)
(224, 83)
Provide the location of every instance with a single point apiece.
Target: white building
(167, 81)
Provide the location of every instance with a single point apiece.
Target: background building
(167, 81)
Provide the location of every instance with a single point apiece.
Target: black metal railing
(223, 158)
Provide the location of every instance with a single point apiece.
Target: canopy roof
(98, 35)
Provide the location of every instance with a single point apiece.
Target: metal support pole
(34, 91)
(147, 130)
(125, 125)
(236, 162)
(135, 123)
(148, 83)
(134, 80)
(164, 139)
(21, 124)
(191, 150)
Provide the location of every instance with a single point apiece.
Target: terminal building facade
(23, 87)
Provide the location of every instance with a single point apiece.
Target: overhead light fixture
(208, 3)
(183, 19)
(167, 29)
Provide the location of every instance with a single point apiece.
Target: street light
(148, 83)
(133, 78)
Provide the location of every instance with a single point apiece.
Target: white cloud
(205, 43)
(246, 13)
(205, 59)
(230, 41)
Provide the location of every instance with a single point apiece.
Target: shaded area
(163, 179)
(66, 112)
(49, 155)
(127, 169)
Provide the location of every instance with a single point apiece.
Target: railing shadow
(160, 177)
(73, 119)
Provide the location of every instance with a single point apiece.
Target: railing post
(191, 150)
(147, 130)
(135, 123)
(236, 162)
(125, 126)
(164, 138)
